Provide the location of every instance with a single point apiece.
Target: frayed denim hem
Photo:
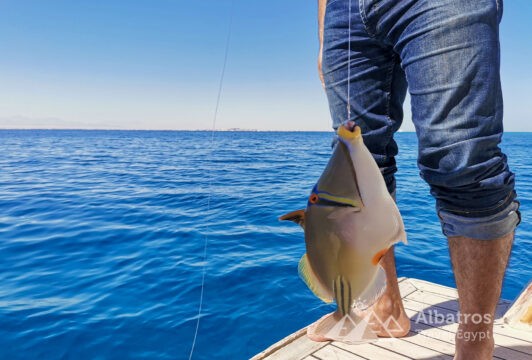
(482, 228)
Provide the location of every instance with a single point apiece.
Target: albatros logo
(362, 330)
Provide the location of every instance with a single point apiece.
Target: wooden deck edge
(291, 338)
(280, 344)
(297, 346)
(422, 285)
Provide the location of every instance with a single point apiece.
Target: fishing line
(349, 66)
(211, 151)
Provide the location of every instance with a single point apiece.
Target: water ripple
(103, 231)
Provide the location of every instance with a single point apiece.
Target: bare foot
(474, 344)
(388, 317)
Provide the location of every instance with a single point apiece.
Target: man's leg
(450, 53)
(390, 304)
(377, 92)
(478, 269)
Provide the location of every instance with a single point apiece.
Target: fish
(350, 222)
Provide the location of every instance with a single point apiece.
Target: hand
(320, 72)
(321, 18)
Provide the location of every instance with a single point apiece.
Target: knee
(470, 176)
(473, 187)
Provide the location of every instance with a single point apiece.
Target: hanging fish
(350, 222)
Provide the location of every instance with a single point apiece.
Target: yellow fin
(307, 274)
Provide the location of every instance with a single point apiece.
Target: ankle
(474, 342)
(389, 318)
(474, 350)
(390, 302)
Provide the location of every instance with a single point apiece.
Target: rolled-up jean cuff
(482, 228)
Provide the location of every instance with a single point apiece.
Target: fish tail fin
(349, 329)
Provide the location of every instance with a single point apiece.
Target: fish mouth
(349, 131)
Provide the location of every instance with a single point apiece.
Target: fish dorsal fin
(373, 292)
(297, 216)
(307, 274)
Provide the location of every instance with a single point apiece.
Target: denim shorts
(446, 54)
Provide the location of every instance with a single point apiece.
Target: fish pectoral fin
(307, 274)
(373, 291)
(297, 216)
(379, 255)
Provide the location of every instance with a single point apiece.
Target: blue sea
(102, 239)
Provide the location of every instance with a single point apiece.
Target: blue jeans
(446, 53)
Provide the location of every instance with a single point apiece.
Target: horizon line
(201, 130)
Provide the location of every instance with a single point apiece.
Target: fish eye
(313, 199)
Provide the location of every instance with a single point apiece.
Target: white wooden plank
(332, 352)
(507, 347)
(435, 288)
(451, 293)
(406, 287)
(446, 335)
(425, 340)
(371, 351)
(434, 299)
(411, 350)
(296, 345)
(434, 343)
(504, 332)
(297, 349)
(524, 336)
(444, 302)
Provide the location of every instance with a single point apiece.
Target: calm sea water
(102, 233)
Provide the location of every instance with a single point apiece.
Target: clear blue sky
(155, 64)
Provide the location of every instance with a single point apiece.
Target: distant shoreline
(202, 130)
(161, 130)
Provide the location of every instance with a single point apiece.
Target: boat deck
(422, 300)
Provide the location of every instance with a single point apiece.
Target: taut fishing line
(211, 148)
(349, 66)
